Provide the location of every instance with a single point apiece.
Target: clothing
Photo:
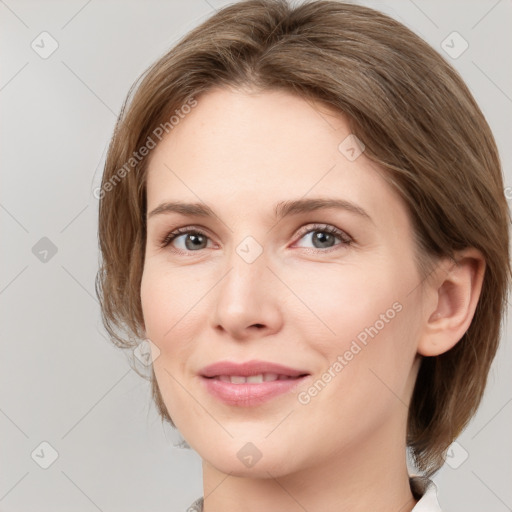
(426, 490)
(421, 487)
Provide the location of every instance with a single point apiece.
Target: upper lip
(249, 368)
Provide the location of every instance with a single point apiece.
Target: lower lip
(249, 394)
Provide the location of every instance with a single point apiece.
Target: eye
(191, 239)
(186, 240)
(323, 236)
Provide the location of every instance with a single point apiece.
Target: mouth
(254, 379)
(266, 370)
(251, 383)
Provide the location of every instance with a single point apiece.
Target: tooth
(254, 379)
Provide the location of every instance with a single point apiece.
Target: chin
(245, 459)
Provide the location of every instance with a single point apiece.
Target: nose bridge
(245, 296)
(248, 273)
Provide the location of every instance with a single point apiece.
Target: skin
(299, 304)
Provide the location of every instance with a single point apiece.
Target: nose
(247, 300)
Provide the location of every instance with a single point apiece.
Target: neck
(372, 477)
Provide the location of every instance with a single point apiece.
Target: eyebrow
(281, 209)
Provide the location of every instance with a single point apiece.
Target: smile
(252, 379)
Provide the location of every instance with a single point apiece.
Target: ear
(453, 296)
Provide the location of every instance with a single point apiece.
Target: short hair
(419, 123)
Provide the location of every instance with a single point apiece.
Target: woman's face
(331, 292)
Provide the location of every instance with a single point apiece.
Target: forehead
(247, 128)
(247, 148)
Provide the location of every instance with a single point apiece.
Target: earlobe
(455, 291)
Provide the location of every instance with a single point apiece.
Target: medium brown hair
(419, 123)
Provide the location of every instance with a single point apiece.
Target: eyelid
(329, 228)
(171, 235)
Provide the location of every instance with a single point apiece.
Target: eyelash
(346, 240)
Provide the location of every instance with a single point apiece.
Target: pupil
(323, 238)
(195, 241)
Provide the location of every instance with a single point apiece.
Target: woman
(302, 211)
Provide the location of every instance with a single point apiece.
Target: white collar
(424, 487)
(420, 485)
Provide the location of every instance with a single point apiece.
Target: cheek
(168, 297)
(168, 300)
(167, 304)
(154, 297)
(345, 301)
(366, 316)
(377, 358)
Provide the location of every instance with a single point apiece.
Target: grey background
(61, 381)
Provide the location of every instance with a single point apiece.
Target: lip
(249, 394)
